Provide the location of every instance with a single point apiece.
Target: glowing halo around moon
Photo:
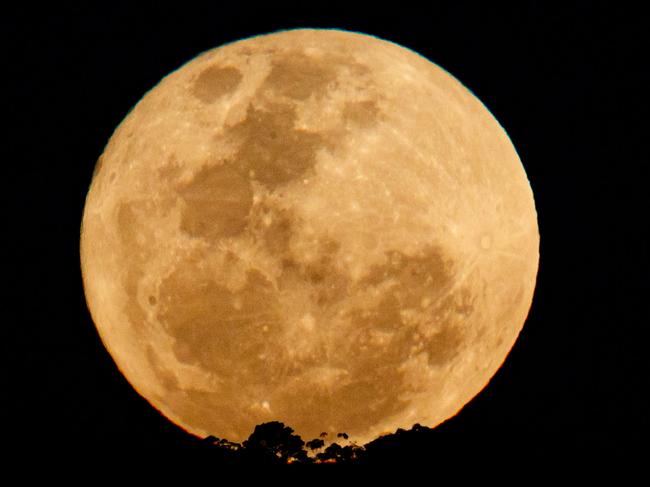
(317, 227)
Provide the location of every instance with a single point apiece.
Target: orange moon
(317, 227)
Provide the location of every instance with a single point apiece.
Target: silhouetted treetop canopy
(276, 443)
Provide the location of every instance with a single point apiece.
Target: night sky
(567, 84)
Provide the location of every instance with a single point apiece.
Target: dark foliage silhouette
(274, 442)
(221, 443)
(336, 453)
(315, 444)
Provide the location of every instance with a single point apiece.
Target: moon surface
(317, 227)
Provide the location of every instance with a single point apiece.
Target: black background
(566, 82)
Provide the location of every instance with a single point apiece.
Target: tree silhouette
(221, 443)
(315, 444)
(274, 442)
(336, 453)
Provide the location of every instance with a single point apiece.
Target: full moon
(317, 227)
